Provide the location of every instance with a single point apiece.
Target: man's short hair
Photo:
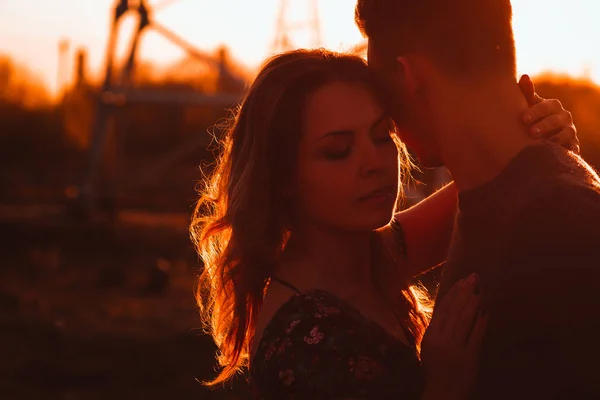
(464, 36)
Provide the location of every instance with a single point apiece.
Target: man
(529, 213)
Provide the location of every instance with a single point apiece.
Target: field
(107, 310)
(100, 311)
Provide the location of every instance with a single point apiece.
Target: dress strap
(285, 283)
(399, 237)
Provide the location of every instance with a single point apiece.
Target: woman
(305, 278)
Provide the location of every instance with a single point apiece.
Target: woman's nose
(372, 159)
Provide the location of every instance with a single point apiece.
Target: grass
(97, 312)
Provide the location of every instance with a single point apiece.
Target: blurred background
(107, 110)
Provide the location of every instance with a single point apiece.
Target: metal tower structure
(286, 27)
(117, 89)
(62, 70)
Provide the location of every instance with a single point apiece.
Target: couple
(308, 264)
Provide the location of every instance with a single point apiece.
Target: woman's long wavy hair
(239, 224)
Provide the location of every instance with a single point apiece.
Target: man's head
(428, 51)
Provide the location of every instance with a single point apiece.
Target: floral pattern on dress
(317, 346)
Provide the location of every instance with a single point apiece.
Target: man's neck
(487, 136)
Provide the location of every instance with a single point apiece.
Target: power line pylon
(118, 89)
(286, 27)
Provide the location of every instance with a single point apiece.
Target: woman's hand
(452, 343)
(547, 119)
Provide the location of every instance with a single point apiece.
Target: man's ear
(406, 75)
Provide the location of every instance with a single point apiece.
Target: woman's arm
(428, 229)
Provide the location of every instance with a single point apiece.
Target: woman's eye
(337, 154)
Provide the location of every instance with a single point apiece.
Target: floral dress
(320, 347)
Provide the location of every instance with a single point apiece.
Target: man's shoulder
(564, 211)
(560, 180)
(543, 179)
(564, 195)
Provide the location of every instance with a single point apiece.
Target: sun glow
(552, 35)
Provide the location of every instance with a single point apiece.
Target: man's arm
(427, 230)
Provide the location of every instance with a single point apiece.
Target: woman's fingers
(544, 109)
(568, 138)
(528, 89)
(452, 310)
(549, 126)
(475, 341)
(559, 129)
(468, 317)
(549, 120)
(463, 298)
(438, 318)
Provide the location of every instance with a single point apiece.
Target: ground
(99, 311)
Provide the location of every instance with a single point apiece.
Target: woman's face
(348, 163)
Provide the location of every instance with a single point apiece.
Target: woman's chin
(377, 217)
(377, 221)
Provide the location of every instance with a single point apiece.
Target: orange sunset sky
(552, 35)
